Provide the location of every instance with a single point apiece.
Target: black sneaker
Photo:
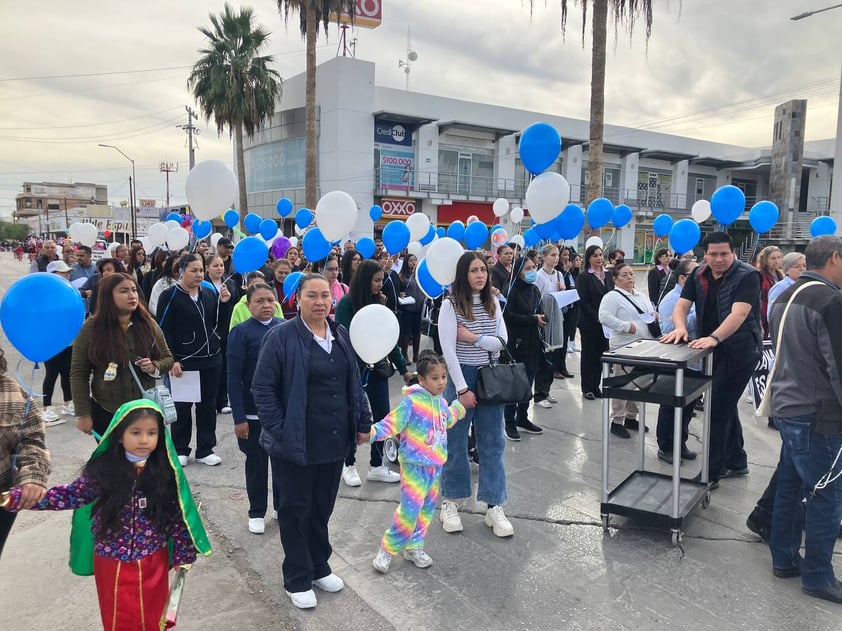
(688, 454)
(759, 526)
(512, 433)
(666, 456)
(633, 424)
(619, 430)
(732, 473)
(529, 427)
(713, 483)
(473, 456)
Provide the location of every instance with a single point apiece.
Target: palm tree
(311, 13)
(625, 13)
(233, 84)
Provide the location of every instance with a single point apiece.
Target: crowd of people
(302, 399)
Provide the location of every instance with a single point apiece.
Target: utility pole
(190, 129)
(168, 167)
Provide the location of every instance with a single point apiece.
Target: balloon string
(28, 389)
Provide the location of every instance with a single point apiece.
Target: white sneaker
(68, 409)
(382, 474)
(182, 460)
(350, 476)
(275, 515)
(51, 417)
(382, 561)
(496, 520)
(256, 525)
(449, 516)
(211, 460)
(544, 404)
(330, 583)
(418, 557)
(572, 348)
(303, 600)
(551, 399)
(225, 410)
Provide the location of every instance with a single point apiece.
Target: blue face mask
(531, 276)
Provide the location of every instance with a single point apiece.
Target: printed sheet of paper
(187, 388)
(566, 297)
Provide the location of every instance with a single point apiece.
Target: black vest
(745, 345)
(329, 427)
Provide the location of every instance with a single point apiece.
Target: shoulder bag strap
(781, 327)
(632, 302)
(136, 378)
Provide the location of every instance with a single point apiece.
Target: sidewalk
(559, 571)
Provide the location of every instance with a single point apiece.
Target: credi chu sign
(392, 133)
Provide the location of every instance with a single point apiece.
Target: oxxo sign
(393, 133)
(397, 207)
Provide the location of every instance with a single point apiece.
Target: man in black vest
(48, 255)
(726, 293)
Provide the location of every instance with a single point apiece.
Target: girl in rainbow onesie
(422, 420)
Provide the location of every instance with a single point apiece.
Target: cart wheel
(676, 537)
(606, 519)
(706, 500)
(390, 449)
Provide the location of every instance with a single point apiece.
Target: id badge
(110, 372)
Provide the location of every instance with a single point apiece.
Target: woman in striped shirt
(472, 331)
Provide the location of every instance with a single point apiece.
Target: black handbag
(654, 327)
(383, 369)
(502, 382)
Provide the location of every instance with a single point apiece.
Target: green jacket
(344, 315)
(241, 312)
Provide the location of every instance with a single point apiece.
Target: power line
(160, 125)
(125, 120)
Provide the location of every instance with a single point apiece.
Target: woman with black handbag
(365, 290)
(628, 314)
(473, 333)
(524, 319)
(592, 283)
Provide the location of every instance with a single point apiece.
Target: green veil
(81, 535)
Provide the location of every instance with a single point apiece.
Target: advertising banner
(393, 133)
(397, 169)
(367, 14)
(275, 165)
(759, 379)
(397, 207)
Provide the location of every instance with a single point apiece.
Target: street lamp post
(132, 188)
(835, 206)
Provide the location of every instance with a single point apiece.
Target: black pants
(594, 345)
(101, 417)
(666, 420)
(766, 504)
(257, 472)
(377, 391)
(306, 496)
(222, 386)
(6, 520)
(544, 375)
(182, 429)
(55, 367)
(571, 318)
(726, 431)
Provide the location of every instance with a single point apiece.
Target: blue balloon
(252, 223)
(475, 235)
(428, 238)
(201, 229)
(600, 212)
(662, 225)
(315, 246)
(530, 237)
(174, 217)
(28, 302)
(570, 222)
(231, 217)
(428, 284)
(539, 147)
(268, 229)
(622, 215)
(366, 247)
(545, 230)
(375, 212)
(821, 226)
(291, 283)
(284, 207)
(250, 254)
(727, 204)
(441, 232)
(684, 235)
(395, 236)
(303, 218)
(763, 215)
(209, 285)
(495, 228)
(456, 230)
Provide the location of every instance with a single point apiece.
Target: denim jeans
(805, 457)
(491, 444)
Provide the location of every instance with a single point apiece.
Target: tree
(311, 13)
(624, 13)
(233, 83)
(14, 231)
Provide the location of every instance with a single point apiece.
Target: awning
(408, 119)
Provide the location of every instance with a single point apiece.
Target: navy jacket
(280, 388)
(244, 342)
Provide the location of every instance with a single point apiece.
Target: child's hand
(363, 437)
(184, 566)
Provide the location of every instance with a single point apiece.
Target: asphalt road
(558, 571)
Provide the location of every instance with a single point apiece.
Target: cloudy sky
(73, 75)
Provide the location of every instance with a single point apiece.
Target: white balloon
(293, 241)
(442, 258)
(76, 231)
(144, 241)
(517, 214)
(299, 230)
(211, 188)
(372, 348)
(700, 210)
(111, 246)
(89, 234)
(500, 207)
(215, 237)
(157, 234)
(177, 239)
(597, 241)
(518, 240)
(336, 215)
(471, 219)
(547, 195)
(172, 224)
(419, 226)
(415, 248)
